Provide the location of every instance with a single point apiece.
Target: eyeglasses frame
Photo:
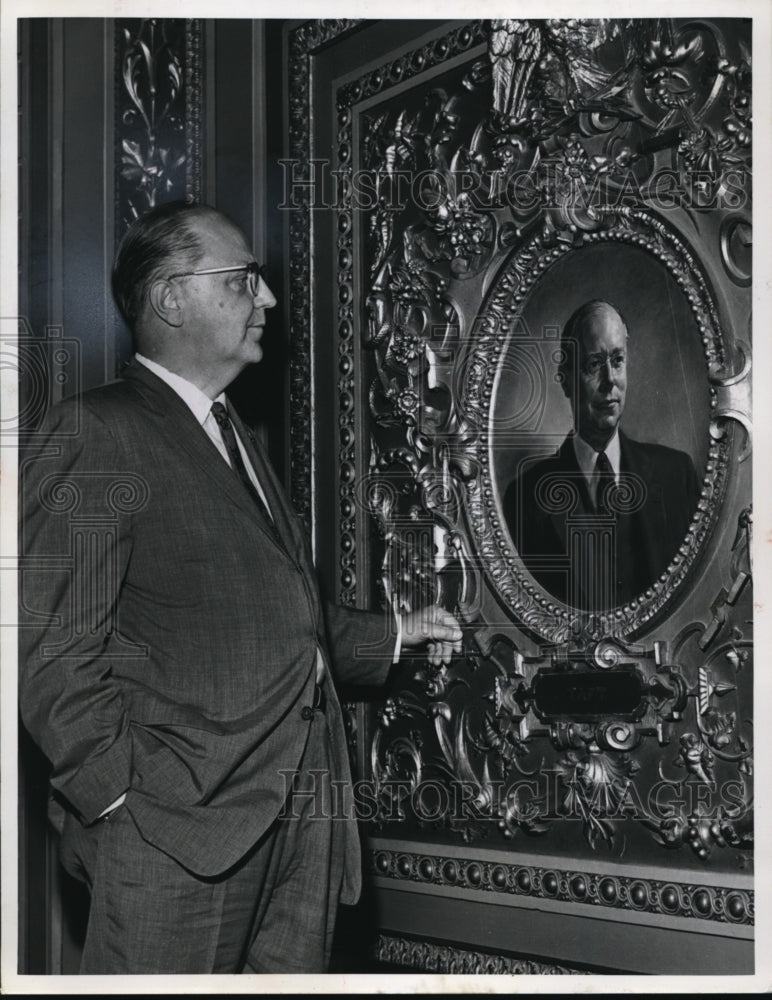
(254, 271)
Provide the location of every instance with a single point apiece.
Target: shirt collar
(197, 401)
(587, 456)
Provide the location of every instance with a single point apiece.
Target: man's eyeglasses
(253, 270)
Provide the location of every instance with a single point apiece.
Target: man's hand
(435, 626)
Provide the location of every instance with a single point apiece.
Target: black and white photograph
(381, 560)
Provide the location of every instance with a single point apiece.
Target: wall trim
(431, 956)
(699, 900)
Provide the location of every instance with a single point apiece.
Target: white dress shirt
(200, 406)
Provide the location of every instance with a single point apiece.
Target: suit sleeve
(362, 644)
(74, 550)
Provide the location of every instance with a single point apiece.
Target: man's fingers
(442, 625)
(437, 627)
(446, 633)
(441, 653)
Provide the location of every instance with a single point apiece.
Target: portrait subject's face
(601, 385)
(222, 315)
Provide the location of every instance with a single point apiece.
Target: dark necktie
(220, 414)
(604, 483)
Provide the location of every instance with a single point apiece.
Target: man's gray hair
(158, 244)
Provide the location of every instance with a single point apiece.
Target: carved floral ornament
(158, 113)
(553, 139)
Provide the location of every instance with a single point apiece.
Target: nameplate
(588, 696)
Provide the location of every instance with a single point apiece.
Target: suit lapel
(637, 460)
(568, 469)
(650, 520)
(268, 481)
(177, 422)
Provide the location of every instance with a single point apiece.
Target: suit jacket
(169, 640)
(647, 538)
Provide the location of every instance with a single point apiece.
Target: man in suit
(175, 652)
(599, 521)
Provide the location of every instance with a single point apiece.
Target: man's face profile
(222, 316)
(601, 385)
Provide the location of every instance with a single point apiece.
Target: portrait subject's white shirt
(587, 456)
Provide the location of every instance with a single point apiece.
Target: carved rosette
(694, 900)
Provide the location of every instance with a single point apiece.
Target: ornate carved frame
(528, 265)
(406, 327)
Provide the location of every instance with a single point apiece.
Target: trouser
(272, 912)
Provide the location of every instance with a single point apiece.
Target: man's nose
(607, 373)
(264, 297)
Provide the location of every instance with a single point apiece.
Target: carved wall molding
(304, 42)
(430, 956)
(194, 139)
(691, 900)
(158, 114)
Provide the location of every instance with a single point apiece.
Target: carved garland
(642, 895)
(194, 37)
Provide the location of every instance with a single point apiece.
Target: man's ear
(165, 302)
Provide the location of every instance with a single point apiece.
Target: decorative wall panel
(158, 135)
(490, 179)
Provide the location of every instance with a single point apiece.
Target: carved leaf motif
(136, 62)
(133, 152)
(160, 126)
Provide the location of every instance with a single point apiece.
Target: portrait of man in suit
(175, 652)
(600, 520)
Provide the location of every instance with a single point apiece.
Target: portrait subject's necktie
(604, 482)
(220, 414)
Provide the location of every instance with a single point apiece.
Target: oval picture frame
(528, 265)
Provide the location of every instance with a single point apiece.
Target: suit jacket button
(307, 713)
